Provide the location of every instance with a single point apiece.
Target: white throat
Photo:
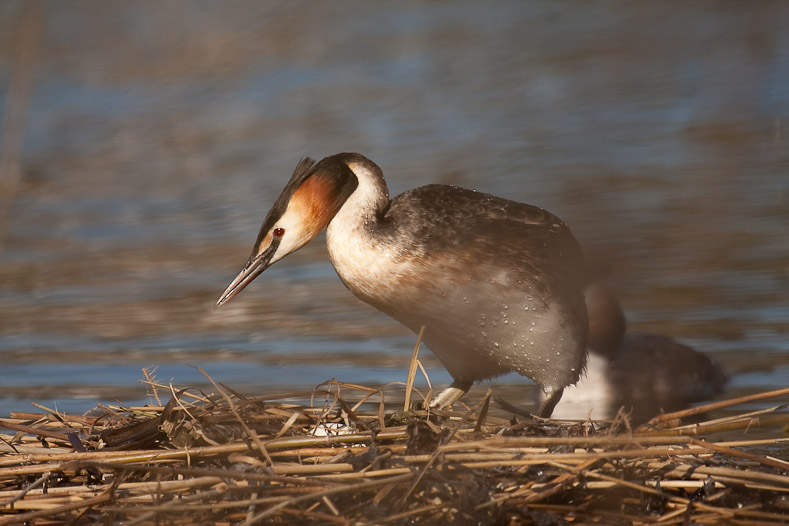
(352, 250)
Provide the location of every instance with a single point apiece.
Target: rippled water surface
(157, 136)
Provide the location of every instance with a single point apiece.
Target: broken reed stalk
(249, 432)
(445, 440)
(712, 406)
(409, 384)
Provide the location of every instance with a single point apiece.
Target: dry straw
(343, 456)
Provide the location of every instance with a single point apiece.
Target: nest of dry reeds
(345, 456)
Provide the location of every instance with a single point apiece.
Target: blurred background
(143, 143)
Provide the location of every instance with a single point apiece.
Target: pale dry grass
(344, 456)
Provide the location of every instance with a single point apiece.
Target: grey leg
(547, 406)
(450, 395)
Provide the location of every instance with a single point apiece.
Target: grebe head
(312, 197)
(606, 320)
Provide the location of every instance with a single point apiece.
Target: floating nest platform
(343, 455)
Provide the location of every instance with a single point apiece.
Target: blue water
(158, 136)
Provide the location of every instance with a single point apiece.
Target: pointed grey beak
(254, 267)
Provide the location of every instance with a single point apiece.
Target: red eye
(278, 232)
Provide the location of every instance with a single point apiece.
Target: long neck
(358, 215)
(356, 252)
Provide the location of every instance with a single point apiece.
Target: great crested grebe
(497, 284)
(644, 373)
